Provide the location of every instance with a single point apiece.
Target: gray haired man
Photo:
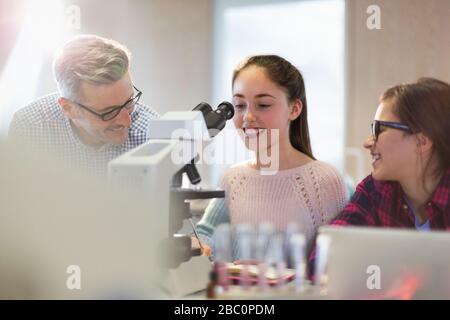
(96, 115)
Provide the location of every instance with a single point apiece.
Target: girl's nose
(369, 142)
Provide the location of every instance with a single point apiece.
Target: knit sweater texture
(310, 196)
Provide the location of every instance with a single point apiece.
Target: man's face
(91, 129)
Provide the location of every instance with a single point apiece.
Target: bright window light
(41, 33)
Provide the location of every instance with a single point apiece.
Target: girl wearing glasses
(271, 118)
(410, 182)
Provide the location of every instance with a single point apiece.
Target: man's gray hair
(91, 59)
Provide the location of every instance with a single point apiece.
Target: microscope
(156, 169)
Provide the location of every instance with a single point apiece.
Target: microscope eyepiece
(204, 107)
(215, 119)
(226, 109)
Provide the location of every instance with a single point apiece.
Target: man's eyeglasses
(377, 124)
(111, 114)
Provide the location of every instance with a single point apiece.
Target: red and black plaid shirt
(382, 204)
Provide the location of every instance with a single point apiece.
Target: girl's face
(261, 105)
(394, 154)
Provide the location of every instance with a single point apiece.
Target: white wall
(414, 41)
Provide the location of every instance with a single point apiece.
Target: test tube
(322, 251)
(297, 248)
(276, 258)
(292, 229)
(245, 238)
(222, 253)
(265, 232)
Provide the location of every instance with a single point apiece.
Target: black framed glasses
(377, 124)
(114, 112)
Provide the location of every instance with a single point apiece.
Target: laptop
(377, 263)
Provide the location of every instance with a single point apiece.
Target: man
(96, 115)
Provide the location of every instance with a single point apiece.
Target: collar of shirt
(439, 203)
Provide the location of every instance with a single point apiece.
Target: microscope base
(189, 277)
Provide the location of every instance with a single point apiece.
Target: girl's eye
(264, 105)
(239, 106)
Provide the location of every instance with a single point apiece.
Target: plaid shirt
(382, 204)
(43, 125)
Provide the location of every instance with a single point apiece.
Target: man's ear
(68, 108)
(424, 144)
(296, 109)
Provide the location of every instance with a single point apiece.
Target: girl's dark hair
(425, 107)
(289, 78)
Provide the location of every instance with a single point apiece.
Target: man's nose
(124, 118)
